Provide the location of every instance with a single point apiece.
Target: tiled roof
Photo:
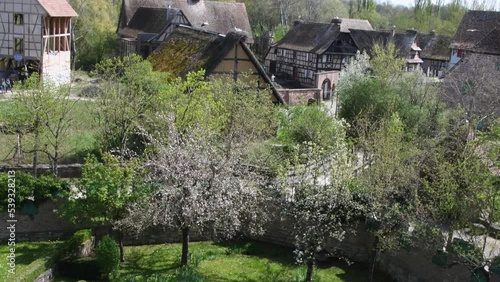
(434, 46)
(309, 37)
(190, 49)
(366, 39)
(348, 24)
(149, 20)
(478, 32)
(58, 8)
(222, 17)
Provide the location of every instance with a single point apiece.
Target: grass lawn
(80, 138)
(31, 259)
(249, 262)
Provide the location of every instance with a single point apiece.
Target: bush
(108, 255)
(42, 188)
(71, 246)
(308, 124)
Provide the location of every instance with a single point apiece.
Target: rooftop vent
(336, 21)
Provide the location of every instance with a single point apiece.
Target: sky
(411, 3)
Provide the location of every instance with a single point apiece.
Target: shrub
(108, 255)
(308, 124)
(42, 188)
(71, 246)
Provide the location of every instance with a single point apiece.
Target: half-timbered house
(309, 48)
(435, 52)
(144, 24)
(190, 49)
(310, 55)
(36, 36)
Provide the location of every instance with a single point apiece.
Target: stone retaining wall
(414, 265)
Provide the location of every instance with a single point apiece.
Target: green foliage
(468, 252)
(279, 32)
(130, 98)
(108, 255)
(95, 39)
(70, 247)
(104, 190)
(313, 123)
(42, 188)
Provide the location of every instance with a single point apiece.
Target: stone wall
(43, 226)
(300, 96)
(64, 171)
(414, 265)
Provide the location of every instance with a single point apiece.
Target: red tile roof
(58, 8)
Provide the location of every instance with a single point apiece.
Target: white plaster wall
(454, 58)
(57, 67)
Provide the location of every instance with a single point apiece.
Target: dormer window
(19, 19)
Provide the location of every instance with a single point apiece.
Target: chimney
(336, 21)
(393, 30)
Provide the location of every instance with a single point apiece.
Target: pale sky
(412, 2)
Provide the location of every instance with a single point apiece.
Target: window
(18, 19)
(497, 66)
(329, 58)
(18, 46)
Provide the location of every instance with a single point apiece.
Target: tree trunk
(185, 246)
(19, 147)
(374, 259)
(120, 244)
(35, 156)
(310, 267)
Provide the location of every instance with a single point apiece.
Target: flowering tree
(200, 187)
(195, 165)
(318, 201)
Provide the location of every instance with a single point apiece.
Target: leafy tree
(130, 95)
(312, 123)
(201, 186)
(386, 182)
(389, 90)
(316, 198)
(195, 161)
(459, 189)
(94, 40)
(103, 192)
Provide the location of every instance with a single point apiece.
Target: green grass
(250, 262)
(31, 260)
(78, 141)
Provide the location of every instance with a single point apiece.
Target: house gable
(190, 49)
(220, 17)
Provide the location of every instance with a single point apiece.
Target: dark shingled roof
(309, 37)
(222, 17)
(366, 39)
(478, 32)
(190, 49)
(148, 20)
(317, 37)
(434, 46)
